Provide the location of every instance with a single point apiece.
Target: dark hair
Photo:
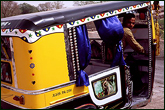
(127, 17)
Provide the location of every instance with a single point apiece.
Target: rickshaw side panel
(29, 58)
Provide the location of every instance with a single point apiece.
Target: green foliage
(27, 8)
(161, 26)
(161, 23)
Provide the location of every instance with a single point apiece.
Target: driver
(128, 38)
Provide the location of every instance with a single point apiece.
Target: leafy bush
(161, 26)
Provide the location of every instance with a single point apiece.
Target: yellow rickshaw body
(30, 66)
(45, 63)
(32, 79)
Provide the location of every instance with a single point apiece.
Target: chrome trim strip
(76, 48)
(36, 92)
(41, 91)
(72, 45)
(13, 62)
(150, 52)
(13, 104)
(51, 106)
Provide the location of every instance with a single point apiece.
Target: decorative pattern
(72, 45)
(105, 15)
(31, 36)
(32, 65)
(30, 51)
(33, 82)
(150, 54)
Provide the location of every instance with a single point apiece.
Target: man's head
(129, 20)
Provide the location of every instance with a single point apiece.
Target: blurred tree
(27, 8)
(81, 3)
(45, 6)
(9, 8)
(50, 6)
(58, 5)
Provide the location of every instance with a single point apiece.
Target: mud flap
(105, 86)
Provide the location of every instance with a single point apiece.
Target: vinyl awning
(40, 20)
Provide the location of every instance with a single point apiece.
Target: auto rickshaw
(49, 60)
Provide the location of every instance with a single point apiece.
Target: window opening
(5, 48)
(139, 62)
(104, 44)
(5, 60)
(6, 72)
(103, 54)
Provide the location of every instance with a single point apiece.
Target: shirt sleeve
(129, 38)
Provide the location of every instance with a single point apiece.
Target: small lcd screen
(105, 87)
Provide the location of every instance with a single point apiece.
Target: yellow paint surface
(48, 57)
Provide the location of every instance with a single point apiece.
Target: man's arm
(132, 41)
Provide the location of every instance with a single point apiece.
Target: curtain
(111, 32)
(84, 52)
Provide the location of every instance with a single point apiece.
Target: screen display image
(105, 87)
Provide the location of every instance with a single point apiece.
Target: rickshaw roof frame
(40, 20)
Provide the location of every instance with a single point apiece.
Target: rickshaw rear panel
(29, 58)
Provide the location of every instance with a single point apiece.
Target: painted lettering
(69, 90)
(56, 94)
(62, 92)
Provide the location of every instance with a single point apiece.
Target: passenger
(128, 39)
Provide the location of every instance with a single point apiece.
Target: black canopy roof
(39, 20)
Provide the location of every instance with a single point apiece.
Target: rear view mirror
(142, 16)
(142, 13)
